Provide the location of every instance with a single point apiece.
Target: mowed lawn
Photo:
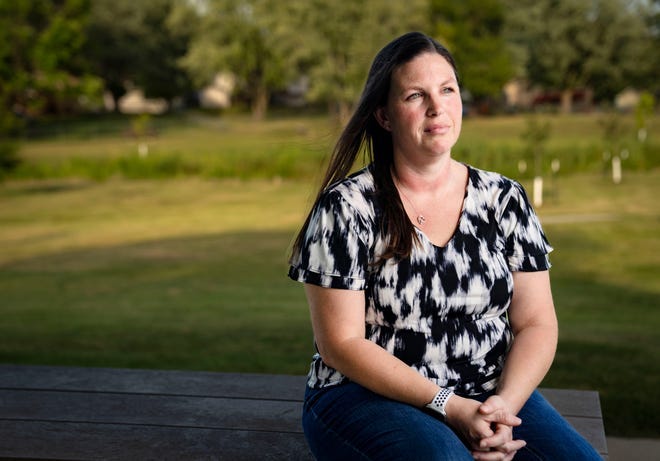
(190, 273)
(164, 274)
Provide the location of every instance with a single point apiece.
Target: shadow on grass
(609, 340)
(214, 302)
(47, 187)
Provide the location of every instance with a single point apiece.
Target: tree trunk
(344, 112)
(260, 103)
(567, 101)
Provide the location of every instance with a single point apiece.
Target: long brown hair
(364, 134)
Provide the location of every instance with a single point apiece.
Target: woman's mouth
(437, 129)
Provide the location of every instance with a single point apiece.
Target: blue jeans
(349, 422)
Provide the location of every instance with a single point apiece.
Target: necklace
(419, 216)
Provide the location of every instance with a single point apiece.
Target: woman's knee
(548, 435)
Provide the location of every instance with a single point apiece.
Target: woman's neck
(424, 179)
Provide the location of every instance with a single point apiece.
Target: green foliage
(253, 40)
(277, 162)
(141, 125)
(535, 136)
(268, 44)
(131, 44)
(571, 44)
(41, 68)
(343, 37)
(613, 129)
(177, 146)
(644, 110)
(57, 56)
(473, 32)
(9, 159)
(210, 147)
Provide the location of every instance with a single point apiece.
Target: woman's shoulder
(485, 179)
(492, 187)
(359, 181)
(356, 190)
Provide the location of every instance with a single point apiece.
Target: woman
(428, 287)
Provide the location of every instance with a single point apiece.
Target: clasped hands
(486, 427)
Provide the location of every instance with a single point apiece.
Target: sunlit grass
(216, 146)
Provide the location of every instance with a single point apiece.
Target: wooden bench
(102, 413)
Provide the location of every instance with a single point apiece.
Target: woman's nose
(434, 106)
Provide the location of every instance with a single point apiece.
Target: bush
(9, 159)
(297, 148)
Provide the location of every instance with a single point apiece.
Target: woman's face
(424, 108)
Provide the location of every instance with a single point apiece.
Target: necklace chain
(419, 216)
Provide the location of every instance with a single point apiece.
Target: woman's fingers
(501, 436)
(494, 409)
(504, 452)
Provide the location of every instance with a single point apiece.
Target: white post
(641, 134)
(616, 169)
(538, 191)
(555, 165)
(143, 149)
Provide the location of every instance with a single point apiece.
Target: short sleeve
(333, 253)
(526, 246)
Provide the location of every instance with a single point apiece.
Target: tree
(473, 31)
(131, 44)
(627, 58)
(41, 67)
(252, 39)
(344, 36)
(266, 44)
(652, 17)
(571, 44)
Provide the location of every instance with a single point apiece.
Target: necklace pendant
(421, 220)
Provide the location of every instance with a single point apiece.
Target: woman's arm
(534, 324)
(339, 331)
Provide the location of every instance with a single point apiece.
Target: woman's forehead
(426, 67)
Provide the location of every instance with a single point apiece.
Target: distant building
(134, 102)
(217, 95)
(627, 100)
(519, 95)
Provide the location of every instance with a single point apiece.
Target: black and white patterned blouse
(443, 310)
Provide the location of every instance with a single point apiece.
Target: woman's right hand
(474, 426)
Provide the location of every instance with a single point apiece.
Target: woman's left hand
(500, 446)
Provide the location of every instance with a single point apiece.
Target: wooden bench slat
(570, 402)
(78, 441)
(212, 384)
(102, 408)
(592, 430)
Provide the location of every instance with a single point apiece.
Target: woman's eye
(414, 96)
(448, 89)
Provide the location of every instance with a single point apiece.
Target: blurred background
(158, 156)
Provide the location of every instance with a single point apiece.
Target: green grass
(182, 145)
(293, 147)
(177, 274)
(190, 272)
(606, 286)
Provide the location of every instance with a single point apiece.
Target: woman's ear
(382, 119)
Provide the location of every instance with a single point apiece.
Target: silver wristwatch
(439, 401)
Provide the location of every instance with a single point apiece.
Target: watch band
(439, 401)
